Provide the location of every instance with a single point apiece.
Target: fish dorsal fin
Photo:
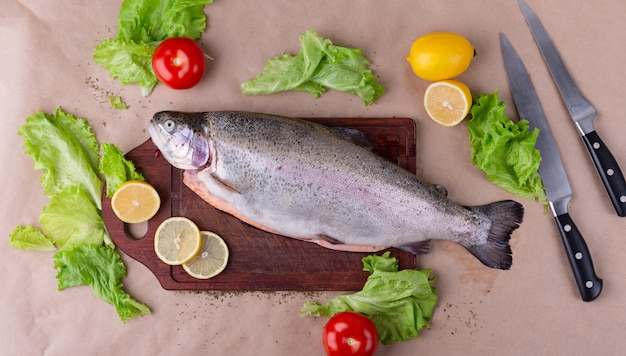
(352, 135)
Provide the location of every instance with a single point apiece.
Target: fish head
(182, 138)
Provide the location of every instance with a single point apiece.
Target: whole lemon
(440, 55)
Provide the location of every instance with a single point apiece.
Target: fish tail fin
(506, 216)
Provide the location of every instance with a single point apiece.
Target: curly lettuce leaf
(117, 102)
(318, 66)
(142, 25)
(400, 303)
(72, 218)
(101, 268)
(65, 148)
(30, 238)
(155, 20)
(116, 168)
(128, 61)
(505, 150)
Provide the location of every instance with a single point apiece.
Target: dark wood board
(258, 260)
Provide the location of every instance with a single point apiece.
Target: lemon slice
(211, 259)
(177, 240)
(135, 202)
(447, 102)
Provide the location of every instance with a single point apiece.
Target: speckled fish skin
(300, 180)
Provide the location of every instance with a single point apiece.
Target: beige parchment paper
(46, 50)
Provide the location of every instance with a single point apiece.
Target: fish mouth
(157, 138)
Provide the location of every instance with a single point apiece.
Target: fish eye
(169, 125)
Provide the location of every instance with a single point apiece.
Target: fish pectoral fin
(334, 244)
(190, 179)
(418, 248)
(224, 185)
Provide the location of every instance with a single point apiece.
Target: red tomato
(179, 63)
(350, 333)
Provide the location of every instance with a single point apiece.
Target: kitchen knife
(552, 172)
(582, 112)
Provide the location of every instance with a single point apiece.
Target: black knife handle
(579, 258)
(609, 171)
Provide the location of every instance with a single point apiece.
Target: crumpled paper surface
(534, 308)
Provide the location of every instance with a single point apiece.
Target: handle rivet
(579, 256)
(622, 198)
(567, 228)
(610, 171)
(596, 145)
(589, 284)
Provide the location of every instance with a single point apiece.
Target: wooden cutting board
(258, 260)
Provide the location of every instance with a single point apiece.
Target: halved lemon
(177, 240)
(211, 259)
(447, 102)
(135, 202)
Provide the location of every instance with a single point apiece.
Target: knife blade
(552, 173)
(582, 112)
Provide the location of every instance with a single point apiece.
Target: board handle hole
(136, 231)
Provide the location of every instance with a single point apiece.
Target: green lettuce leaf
(505, 150)
(142, 25)
(155, 20)
(128, 61)
(30, 238)
(117, 102)
(318, 66)
(400, 303)
(101, 268)
(116, 168)
(65, 148)
(72, 218)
